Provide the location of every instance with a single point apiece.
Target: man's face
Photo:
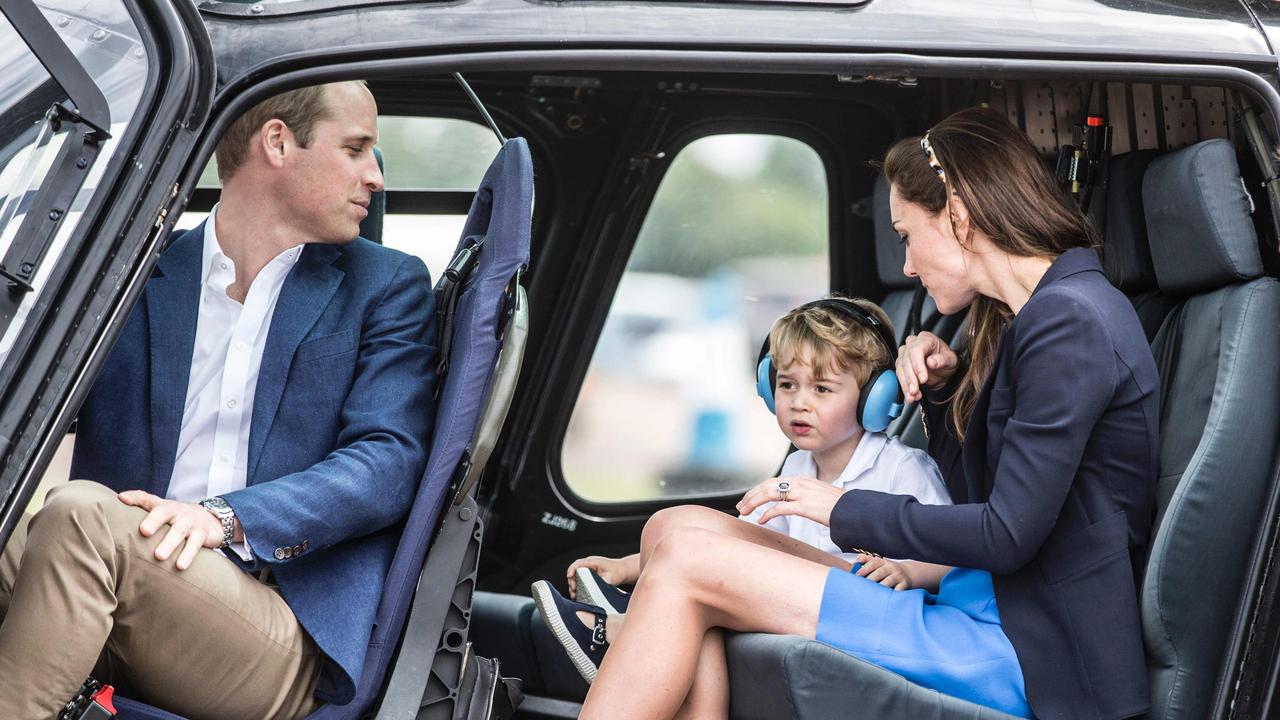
(330, 181)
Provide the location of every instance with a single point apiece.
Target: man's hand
(187, 522)
(808, 497)
(887, 572)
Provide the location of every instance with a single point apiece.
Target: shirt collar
(213, 250)
(864, 457)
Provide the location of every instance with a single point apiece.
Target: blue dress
(951, 642)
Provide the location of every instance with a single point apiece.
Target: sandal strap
(598, 632)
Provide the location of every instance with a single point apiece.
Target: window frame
(614, 265)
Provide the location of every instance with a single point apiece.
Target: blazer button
(306, 544)
(288, 553)
(297, 550)
(279, 553)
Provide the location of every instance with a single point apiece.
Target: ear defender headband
(879, 398)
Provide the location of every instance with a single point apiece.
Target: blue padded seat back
(133, 710)
(501, 214)
(371, 226)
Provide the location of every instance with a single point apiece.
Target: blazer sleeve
(1063, 379)
(368, 481)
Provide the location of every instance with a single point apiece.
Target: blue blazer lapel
(172, 299)
(304, 297)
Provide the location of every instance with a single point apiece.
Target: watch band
(225, 515)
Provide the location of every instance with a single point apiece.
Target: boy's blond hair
(829, 341)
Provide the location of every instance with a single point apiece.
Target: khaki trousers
(211, 641)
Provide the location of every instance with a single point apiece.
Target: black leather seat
(1219, 424)
(1126, 252)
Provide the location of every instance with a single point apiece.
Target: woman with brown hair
(1047, 422)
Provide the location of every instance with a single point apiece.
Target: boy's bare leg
(206, 641)
(696, 516)
(697, 579)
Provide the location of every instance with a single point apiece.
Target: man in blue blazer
(248, 450)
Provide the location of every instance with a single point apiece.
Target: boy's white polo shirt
(878, 463)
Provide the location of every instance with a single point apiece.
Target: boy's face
(816, 407)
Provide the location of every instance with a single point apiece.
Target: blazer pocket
(325, 346)
(1085, 549)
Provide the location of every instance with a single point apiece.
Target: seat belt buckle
(94, 701)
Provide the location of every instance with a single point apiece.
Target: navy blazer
(1056, 484)
(338, 439)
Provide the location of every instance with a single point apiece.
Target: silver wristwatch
(225, 515)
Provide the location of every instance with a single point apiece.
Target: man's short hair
(829, 341)
(300, 109)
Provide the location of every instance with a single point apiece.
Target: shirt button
(279, 553)
(223, 459)
(242, 346)
(223, 266)
(231, 403)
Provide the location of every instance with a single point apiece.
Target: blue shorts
(951, 642)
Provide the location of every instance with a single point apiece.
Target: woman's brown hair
(1011, 197)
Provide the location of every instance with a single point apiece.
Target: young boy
(824, 360)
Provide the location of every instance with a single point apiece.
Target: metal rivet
(98, 35)
(82, 163)
(139, 53)
(464, 514)
(63, 21)
(27, 268)
(55, 214)
(257, 9)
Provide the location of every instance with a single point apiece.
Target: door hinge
(164, 209)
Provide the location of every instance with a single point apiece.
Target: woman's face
(933, 254)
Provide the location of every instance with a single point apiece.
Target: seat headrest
(1124, 233)
(891, 254)
(371, 226)
(1198, 220)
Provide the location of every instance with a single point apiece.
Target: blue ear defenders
(879, 399)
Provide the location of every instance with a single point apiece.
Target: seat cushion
(783, 676)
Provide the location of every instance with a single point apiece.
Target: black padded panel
(772, 677)
(1198, 220)
(1126, 255)
(509, 628)
(890, 252)
(1219, 430)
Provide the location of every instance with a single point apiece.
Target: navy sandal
(585, 646)
(593, 590)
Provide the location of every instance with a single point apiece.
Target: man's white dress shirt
(213, 444)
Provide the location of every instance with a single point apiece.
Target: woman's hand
(807, 497)
(888, 573)
(926, 360)
(615, 571)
